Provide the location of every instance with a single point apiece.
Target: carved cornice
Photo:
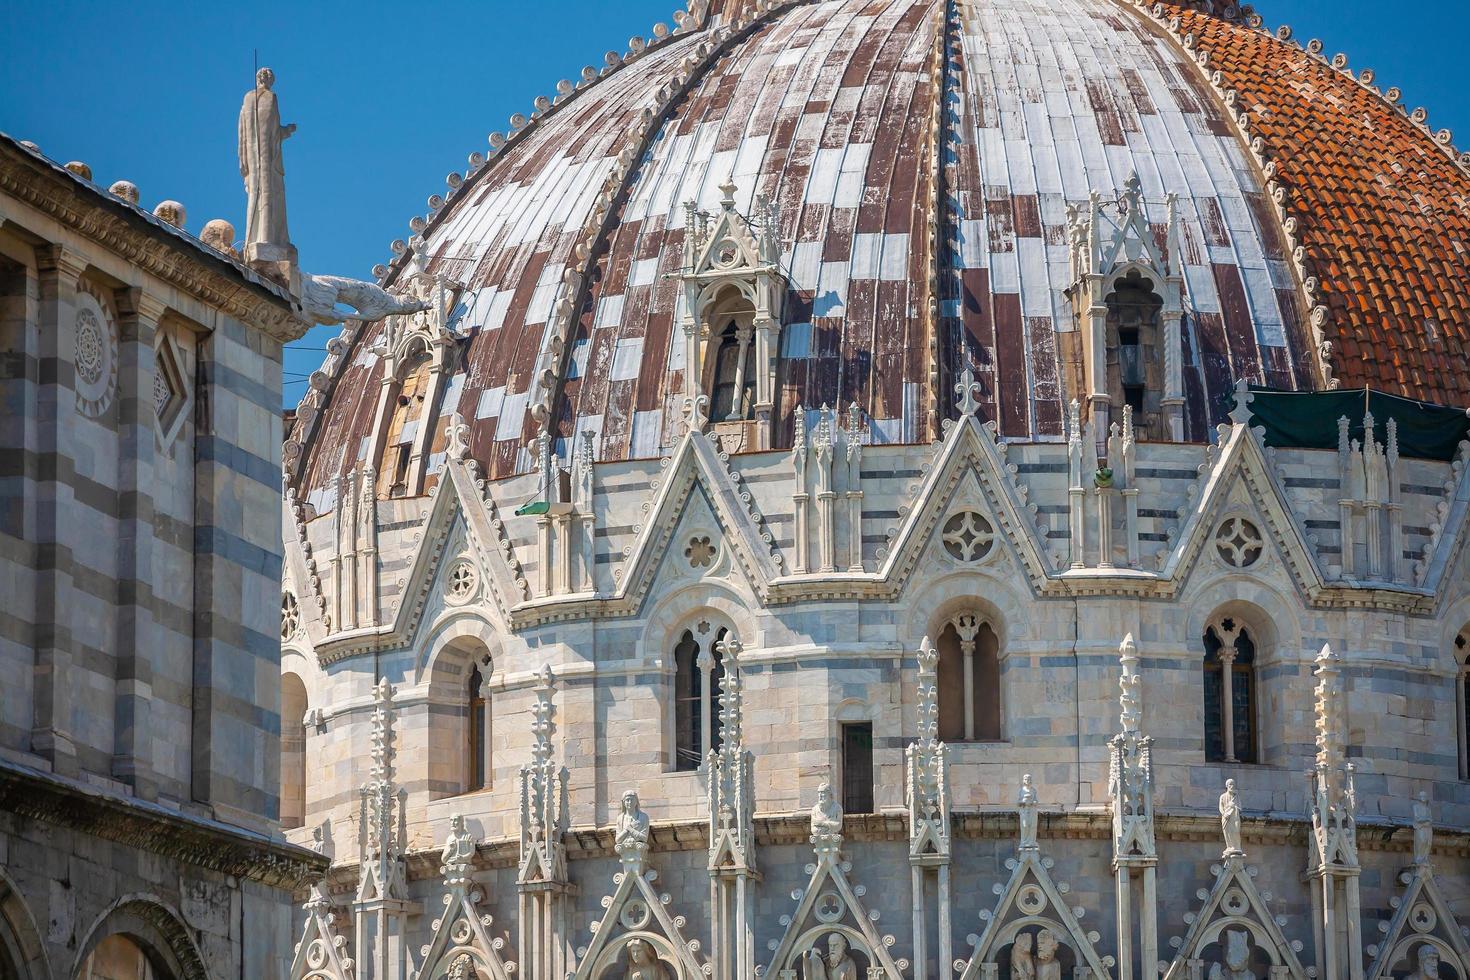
(794, 829)
(147, 243)
(149, 827)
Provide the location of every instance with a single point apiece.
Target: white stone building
(857, 395)
(140, 379)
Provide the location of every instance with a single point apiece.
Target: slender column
(543, 539)
(1373, 517)
(59, 271)
(1227, 694)
(946, 943)
(1130, 501)
(1104, 527)
(1329, 926)
(742, 337)
(1349, 544)
(564, 553)
(1125, 922)
(921, 952)
(132, 759)
(1149, 925)
(1353, 914)
(1077, 498)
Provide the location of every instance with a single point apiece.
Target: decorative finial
(1130, 697)
(1241, 413)
(968, 388)
(458, 432)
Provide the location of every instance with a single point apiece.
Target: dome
(918, 184)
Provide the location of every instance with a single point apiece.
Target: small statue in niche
(1423, 829)
(1026, 807)
(1023, 966)
(826, 813)
(1230, 819)
(1427, 958)
(1237, 958)
(643, 963)
(1048, 967)
(836, 964)
(631, 835)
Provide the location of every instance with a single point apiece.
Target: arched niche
(150, 930)
(22, 954)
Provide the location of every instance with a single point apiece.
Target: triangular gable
(1032, 899)
(829, 905)
(969, 447)
(1241, 462)
(322, 952)
(636, 912)
(1235, 904)
(1421, 918)
(462, 931)
(696, 460)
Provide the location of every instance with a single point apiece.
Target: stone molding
(584, 843)
(147, 244)
(208, 844)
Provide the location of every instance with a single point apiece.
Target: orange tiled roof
(1382, 209)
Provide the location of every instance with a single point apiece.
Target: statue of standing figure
(630, 839)
(1026, 809)
(1230, 820)
(1048, 967)
(1423, 829)
(1023, 965)
(264, 171)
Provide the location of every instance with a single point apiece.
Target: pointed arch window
(732, 395)
(406, 414)
(1134, 376)
(1230, 693)
(1461, 654)
(969, 681)
(477, 738)
(698, 671)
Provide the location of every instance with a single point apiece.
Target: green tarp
(1308, 420)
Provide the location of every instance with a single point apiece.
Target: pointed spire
(1130, 697)
(543, 788)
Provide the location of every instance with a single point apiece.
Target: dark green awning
(1308, 420)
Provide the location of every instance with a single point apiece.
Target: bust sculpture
(1048, 967)
(1023, 965)
(1237, 958)
(1230, 819)
(836, 964)
(631, 835)
(643, 963)
(826, 813)
(463, 968)
(264, 171)
(1427, 958)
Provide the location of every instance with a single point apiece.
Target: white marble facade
(579, 690)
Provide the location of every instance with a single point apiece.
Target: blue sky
(389, 98)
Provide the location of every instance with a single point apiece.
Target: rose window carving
(701, 552)
(290, 616)
(464, 579)
(1239, 542)
(90, 347)
(968, 536)
(95, 359)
